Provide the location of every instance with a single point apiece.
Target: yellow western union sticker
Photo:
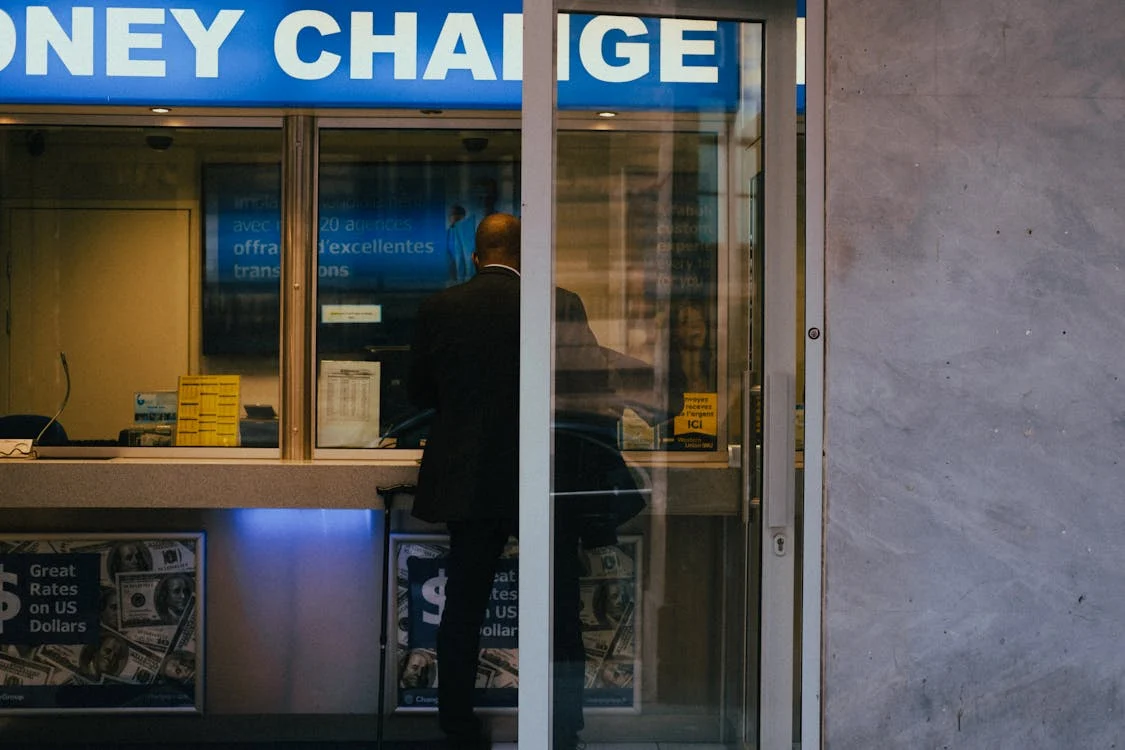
(700, 416)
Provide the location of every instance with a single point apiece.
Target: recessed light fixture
(607, 115)
(160, 110)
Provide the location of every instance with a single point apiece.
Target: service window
(142, 290)
(398, 211)
(639, 231)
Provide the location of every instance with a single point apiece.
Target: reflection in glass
(653, 234)
(646, 259)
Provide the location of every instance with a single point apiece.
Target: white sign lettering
(76, 52)
(285, 45)
(674, 47)
(635, 53)
(403, 44)
(610, 49)
(121, 40)
(460, 27)
(75, 49)
(7, 39)
(207, 41)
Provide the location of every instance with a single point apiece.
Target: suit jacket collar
(499, 268)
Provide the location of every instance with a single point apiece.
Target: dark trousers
(474, 548)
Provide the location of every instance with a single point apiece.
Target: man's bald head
(498, 241)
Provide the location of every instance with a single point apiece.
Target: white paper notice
(348, 404)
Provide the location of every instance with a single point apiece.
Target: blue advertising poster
(610, 623)
(107, 623)
(397, 226)
(420, 54)
(388, 234)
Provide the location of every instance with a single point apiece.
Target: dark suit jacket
(465, 365)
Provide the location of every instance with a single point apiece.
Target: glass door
(660, 249)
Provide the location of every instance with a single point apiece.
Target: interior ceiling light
(159, 110)
(607, 114)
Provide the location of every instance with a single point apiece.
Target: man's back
(466, 366)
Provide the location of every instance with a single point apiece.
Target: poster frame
(397, 645)
(199, 538)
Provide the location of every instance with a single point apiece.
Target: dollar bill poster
(610, 614)
(101, 623)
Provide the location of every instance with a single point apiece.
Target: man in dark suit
(466, 367)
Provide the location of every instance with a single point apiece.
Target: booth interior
(136, 271)
(144, 306)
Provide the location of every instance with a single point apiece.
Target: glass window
(397, 215)
(657, 233)
(142, 290)
(638, 240)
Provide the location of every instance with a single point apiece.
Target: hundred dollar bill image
(115, 656)
(67, 659)
(611, 673)
(184, 639)
(155, 638)
(130, 555)
(147, 599)
(19, 547)
(15, 671)
(608, 562)
(171, 556)
(501, 668)
(136, 595)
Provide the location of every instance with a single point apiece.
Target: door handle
(777, 482)
(751, 448)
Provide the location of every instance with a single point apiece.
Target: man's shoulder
(481, 286)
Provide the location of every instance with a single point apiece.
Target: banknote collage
(610, 624)
(610, 606)
(125, 637)
(419, 598)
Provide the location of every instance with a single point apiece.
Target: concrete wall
(975, 400)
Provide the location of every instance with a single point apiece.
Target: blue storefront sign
(349, 54)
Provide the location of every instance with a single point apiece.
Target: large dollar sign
(9, 602)
(433, 591)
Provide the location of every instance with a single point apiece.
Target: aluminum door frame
(538, 109)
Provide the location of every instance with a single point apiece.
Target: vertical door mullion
(814, 373)
(776, 701)
(536, 315)
(298, 285)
